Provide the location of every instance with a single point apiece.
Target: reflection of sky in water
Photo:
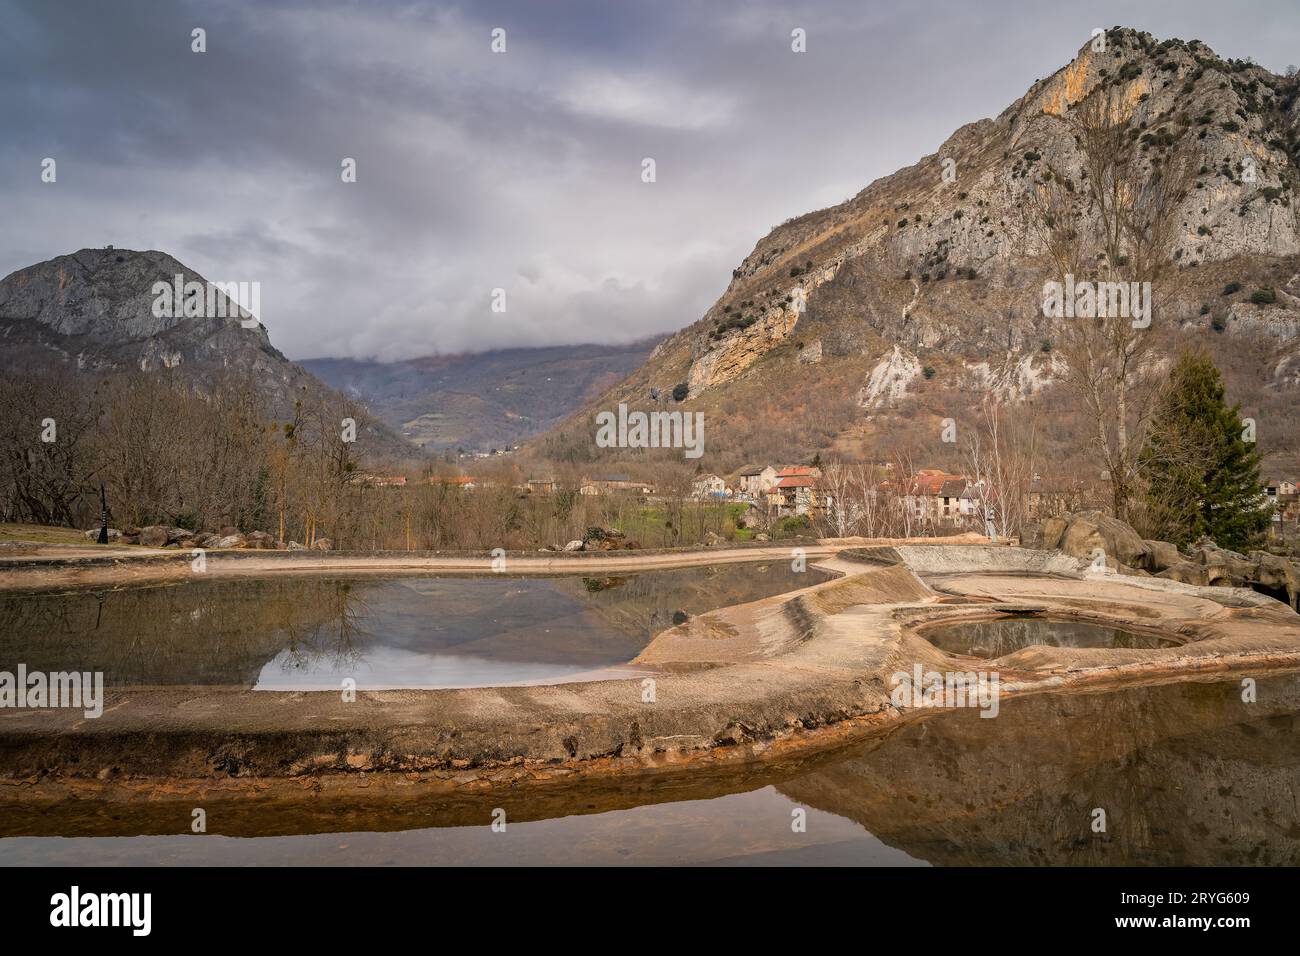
(389, 668)
(739, 829)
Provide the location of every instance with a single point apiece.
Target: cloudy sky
(519, 170)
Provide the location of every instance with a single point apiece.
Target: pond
(1003, 635)
(309, 633)
(1187, 774)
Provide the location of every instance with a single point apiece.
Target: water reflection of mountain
(1188, 774)
(211, 632)
(225, 631)
(582, 622)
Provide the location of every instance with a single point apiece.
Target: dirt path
(54, 567)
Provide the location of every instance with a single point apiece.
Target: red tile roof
(929, 483)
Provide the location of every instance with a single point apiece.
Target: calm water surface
(1188, 774)
(1002, 636)
(309, 633)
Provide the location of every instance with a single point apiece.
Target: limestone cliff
(939, 267)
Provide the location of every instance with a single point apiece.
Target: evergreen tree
(1201, 477)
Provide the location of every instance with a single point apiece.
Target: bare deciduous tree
(1117, 224)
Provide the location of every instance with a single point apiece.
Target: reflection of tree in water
(1187, 774)
(197, 632)
(338, 635)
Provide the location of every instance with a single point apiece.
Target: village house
(798, 494)
(454, 481)
(614, 484)
(799, 471)
(973, 501)
(541, 486)
(1049, 496)
(948, 508)
(709, 486)
(1279, 490)
(931, 497)
(378, 481)
(755, 482)
(1284, 497)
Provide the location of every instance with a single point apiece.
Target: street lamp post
(103, 517)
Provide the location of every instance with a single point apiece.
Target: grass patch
(41, 534)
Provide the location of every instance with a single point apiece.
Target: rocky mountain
(94, 310)
(486, 400)
(924, 290)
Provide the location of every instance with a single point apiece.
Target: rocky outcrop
(721, 361)
(1086, 533)
(154, 536)
(1205, 564)
(261, 540)
(93, 311)
(605, 539)
(164, 536)
(1162, 555)
(890, 378)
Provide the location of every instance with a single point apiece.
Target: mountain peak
(940, 266)
(108, 295)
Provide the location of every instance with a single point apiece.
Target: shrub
(1231, 287)
(1264, 296)
(793, 525)
(928, 372)
(680, 391)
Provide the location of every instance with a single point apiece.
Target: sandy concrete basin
(786, 675)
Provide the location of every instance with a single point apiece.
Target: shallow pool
(1004, 635)
(311, 633)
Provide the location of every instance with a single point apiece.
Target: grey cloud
(519, 171)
